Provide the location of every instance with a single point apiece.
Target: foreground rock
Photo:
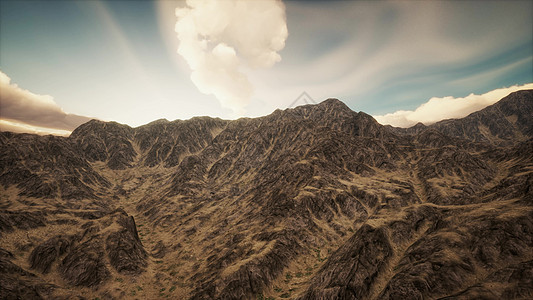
(85, 257)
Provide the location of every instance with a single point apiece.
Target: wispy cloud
(24, 111)
(374, 55)
(437, 109)
(492, 75)
(220, 38)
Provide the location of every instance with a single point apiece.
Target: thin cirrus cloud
(378, 55)
(218, 39)
(437, 109)
(24, 111)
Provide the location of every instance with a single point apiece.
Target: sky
(65, 62)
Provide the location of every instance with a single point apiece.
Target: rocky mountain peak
(333, 103)
(101, 129)
(504, 122)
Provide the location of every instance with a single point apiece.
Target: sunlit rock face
(315, 202)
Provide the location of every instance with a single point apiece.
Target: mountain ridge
(496, 123)
(312, 202)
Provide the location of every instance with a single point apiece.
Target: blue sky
(117, 60)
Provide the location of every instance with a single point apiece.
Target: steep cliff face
(315, 202)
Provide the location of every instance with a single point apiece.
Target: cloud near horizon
(438, 109)
(24, 111)
(218, 39)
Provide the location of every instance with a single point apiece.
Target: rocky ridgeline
(315, 202)
(505, 122)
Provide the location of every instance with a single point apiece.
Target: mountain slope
(315, 202)
(504, 122)
(507, 120)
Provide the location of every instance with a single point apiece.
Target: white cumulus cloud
(218, 39)
(24, 111)
(437, 109)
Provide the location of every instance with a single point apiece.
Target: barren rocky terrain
(315, 202)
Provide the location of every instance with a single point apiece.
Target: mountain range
(314, 202)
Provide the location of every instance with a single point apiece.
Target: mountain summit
(313, 202)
